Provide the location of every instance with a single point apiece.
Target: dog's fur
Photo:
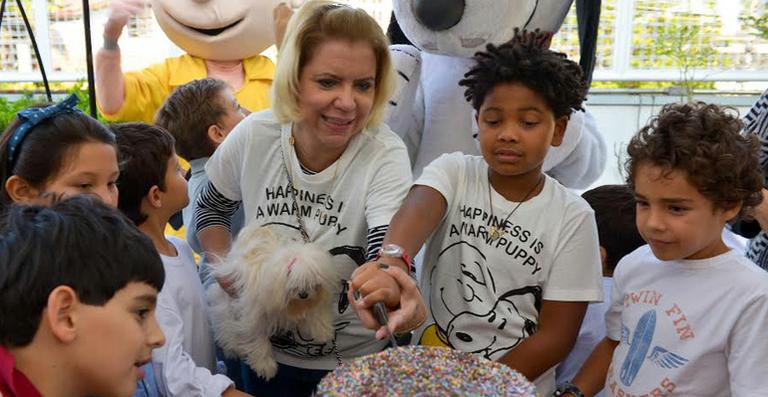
(281, 285)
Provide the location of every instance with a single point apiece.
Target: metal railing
(634, 42)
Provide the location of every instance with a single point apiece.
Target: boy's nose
(155, 336)
(509, 134)
(654, 220)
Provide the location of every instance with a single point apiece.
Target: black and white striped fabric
(213, 209)
(756, 122)
(375, 238)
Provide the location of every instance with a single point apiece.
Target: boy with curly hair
(687, 313)
(513, 256)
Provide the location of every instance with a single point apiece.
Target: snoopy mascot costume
(429, 110)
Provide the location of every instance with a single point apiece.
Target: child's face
(233, 112)
(516, 128)
(675, 219)
(90, 168)
(116, 339)
(175, 196)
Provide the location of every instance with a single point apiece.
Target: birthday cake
(422, 371)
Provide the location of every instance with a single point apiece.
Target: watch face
(392, 250)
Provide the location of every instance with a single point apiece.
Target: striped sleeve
(213, 209)
(756, 122)
(375, 238)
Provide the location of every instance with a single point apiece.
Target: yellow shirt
(146, 90)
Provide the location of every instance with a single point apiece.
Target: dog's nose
(303, 295)
(439, 15)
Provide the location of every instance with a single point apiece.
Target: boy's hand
(410, 313)
(372, 283)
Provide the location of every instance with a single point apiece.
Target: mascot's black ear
(394, 33)
(588, 17)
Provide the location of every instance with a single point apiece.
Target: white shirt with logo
(485, 294)
(363, 189)
(688, 327)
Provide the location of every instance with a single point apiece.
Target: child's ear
(216, 134)
(730, 210)
(154, 197)
(21, 191)
(560, 126)
(61, 313)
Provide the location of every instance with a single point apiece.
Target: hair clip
(34, 116)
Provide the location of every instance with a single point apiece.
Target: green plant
(759, 24)
(8, 108)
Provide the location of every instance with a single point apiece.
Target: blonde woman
(321, 166)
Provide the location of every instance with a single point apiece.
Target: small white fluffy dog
(281, 285)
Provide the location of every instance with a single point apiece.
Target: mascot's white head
(219, 30)
(463, 27)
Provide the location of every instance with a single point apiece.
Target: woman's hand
(371, 282)
(408, 315)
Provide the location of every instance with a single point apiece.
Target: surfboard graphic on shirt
(639, 347)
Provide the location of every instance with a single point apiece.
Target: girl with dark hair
(57, 150)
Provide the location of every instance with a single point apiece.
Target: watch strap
(567, 387)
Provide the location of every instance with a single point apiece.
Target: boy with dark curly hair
(687, 313)
(513, 256)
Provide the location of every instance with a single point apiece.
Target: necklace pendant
(494, 233)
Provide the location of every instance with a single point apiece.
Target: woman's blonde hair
(313, 24)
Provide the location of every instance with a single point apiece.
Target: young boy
(77, 317)
(199, 115)
(614, 207)
(513, 255)
(152, 189)
(688, 314)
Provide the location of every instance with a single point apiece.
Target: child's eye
(85, 186)
(491, 122)
(529, 124)
(641, 204)
(142, 314)
(677, 210)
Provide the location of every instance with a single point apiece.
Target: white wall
(619, 116)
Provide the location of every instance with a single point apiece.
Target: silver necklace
(304, 234)
(495, 232)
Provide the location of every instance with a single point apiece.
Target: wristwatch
(567, 387)
(396, 251)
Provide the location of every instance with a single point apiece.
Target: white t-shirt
(361, 190)
(591, 333)
(688, 327)
(484, 295)
(186, 364)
